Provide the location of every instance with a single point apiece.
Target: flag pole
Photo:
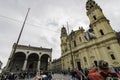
(71, 53)
(16, 44)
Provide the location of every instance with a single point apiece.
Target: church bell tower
(98, 22)
(63, 39)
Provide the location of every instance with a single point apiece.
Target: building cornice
(32, 48)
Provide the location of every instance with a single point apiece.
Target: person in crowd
(102, 72)
(79, 74)
(74, 75)
(38, 75)
(49, 75)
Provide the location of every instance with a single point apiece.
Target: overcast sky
(45, 20)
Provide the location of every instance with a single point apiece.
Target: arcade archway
(44, 62)
(32, 62)
(17, 62)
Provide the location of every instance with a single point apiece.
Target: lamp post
(71, 53)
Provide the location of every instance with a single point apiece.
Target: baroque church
(28, 58)
(83, 48)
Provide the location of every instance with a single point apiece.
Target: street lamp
(71, 53)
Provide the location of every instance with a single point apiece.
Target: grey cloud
(52, 22)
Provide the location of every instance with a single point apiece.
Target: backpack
(109, 76)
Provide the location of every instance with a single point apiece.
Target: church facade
(28, 58)
(85, 48)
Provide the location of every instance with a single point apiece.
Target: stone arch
(17, 61)
(45, 58)
(32, 62)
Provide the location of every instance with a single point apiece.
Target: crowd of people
(17, 76)
(26, 76)
(101, 71)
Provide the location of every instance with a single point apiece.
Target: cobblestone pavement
(61, 77)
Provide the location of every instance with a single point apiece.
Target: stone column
(87, 57)
(97, 54)
(25, 64)
(38, 66)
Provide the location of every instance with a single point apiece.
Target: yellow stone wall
(87, 51)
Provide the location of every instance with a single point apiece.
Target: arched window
(108, 48)
(80, 39)
(101, 31)
(112, 56)
(94, 17)
(85, 60)
(75, 43)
